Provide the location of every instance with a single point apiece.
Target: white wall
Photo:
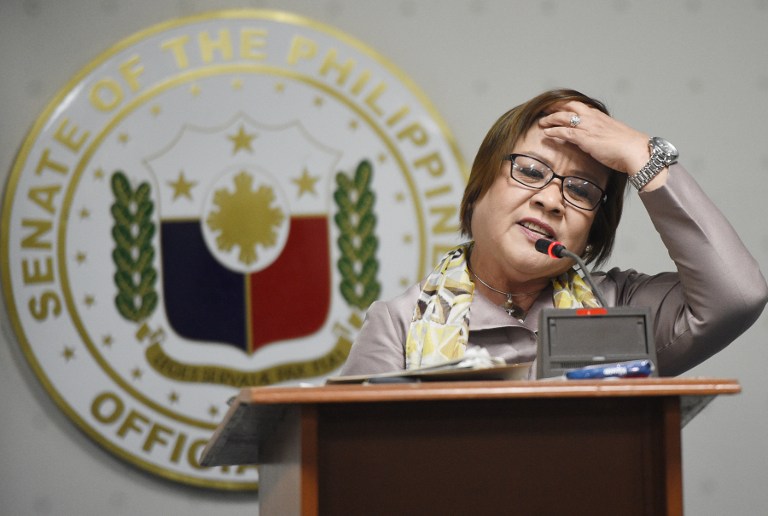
(693, 71)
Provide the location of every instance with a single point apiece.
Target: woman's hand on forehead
(607, 140)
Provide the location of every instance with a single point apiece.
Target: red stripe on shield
(291, 298)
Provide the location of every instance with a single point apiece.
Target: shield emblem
(244, 232)
(185, 220)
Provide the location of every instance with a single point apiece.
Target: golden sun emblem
(245, 218)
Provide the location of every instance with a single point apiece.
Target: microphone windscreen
(542, 245)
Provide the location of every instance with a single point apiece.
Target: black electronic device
(579, 337)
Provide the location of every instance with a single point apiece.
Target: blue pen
(631, 369)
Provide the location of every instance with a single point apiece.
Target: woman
(556, 167)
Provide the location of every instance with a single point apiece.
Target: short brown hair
(500, 141)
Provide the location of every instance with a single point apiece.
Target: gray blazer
(715, 295)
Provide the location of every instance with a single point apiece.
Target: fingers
(567, 126)
(607, 140)
(570, 114)
(570, 119)
(576, 122)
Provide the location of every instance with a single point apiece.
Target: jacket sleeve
(379, 346)
(717, 292)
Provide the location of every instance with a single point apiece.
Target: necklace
(509, 305)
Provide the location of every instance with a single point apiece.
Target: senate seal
(212, 204)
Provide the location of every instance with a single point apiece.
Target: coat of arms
(213, 204)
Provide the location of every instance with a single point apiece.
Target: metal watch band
(650, 170)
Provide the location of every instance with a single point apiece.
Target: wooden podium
(489, 447)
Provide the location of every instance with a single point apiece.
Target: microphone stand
(557, 250)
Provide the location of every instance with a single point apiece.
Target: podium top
(253, 412)
(429, 391)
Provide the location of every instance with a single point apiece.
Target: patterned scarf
(439, 329)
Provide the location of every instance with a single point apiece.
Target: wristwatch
(663, 154)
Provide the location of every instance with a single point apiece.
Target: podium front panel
(555, 456)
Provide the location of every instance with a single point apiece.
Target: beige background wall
(694, 71)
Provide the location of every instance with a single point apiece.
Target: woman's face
(509, 218)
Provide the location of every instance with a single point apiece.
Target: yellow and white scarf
(439, 329)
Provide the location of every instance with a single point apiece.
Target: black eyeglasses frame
(511, 159)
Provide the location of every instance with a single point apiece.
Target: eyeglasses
(577, 191)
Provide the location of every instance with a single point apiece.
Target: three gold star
(306, 183)
(242, 140)
(182, 187)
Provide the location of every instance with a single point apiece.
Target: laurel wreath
(357, 241)
(133, 255)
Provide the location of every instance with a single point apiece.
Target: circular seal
(212, 204)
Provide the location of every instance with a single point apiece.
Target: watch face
(666, 148)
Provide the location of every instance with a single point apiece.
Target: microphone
(576, 337)
(557, 250)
